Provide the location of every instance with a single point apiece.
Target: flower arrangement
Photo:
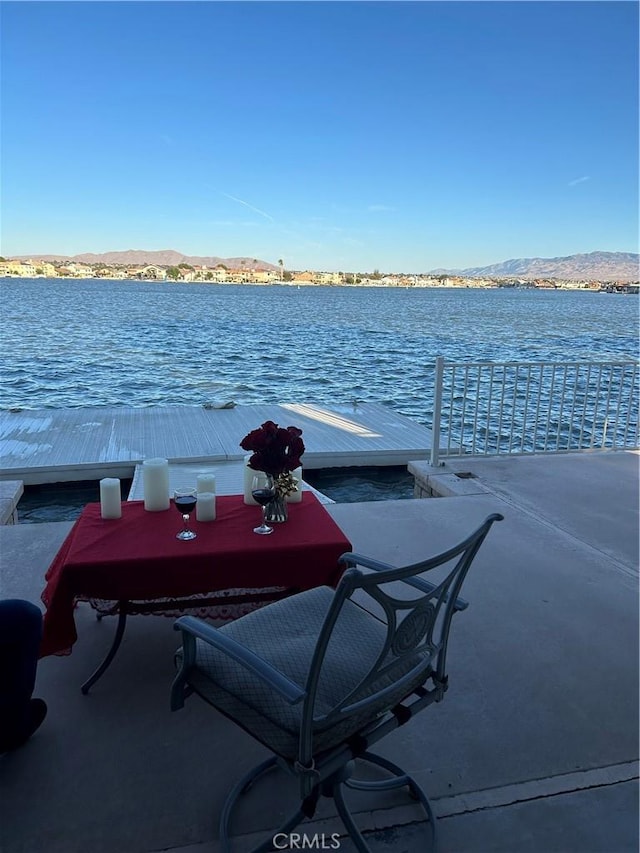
(276, 451)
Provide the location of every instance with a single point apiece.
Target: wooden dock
(56, 445)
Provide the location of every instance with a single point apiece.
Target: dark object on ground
(20, 635)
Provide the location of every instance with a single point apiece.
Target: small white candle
(110, 498)
(206, 483)
(296, 497)
(155, 482)
(249, 474)
(206, 506)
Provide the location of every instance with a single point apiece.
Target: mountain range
(596, 266)
(163, 258)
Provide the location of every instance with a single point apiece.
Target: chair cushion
(285, 634)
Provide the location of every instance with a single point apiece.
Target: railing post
(437, 408)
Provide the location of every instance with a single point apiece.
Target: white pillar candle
(206, 506)
(249, 474)
(296, 497)
(110, 498)
(155, 482)
(206, 483)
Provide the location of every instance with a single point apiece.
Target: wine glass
(185, 502)
(263, 491)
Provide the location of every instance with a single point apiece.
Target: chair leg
(242, 787)
(332, 788)
(354, 833)
(398, 780)
(292, 821)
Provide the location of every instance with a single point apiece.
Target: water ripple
(103, 343)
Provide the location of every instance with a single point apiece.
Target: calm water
(105, 343)
(65, 501)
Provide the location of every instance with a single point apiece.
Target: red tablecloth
(137, 557)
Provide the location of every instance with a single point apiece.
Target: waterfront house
(24, 269)
(153, 272)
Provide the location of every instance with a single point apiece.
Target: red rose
(275, 450)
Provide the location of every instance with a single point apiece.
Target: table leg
(122, 621)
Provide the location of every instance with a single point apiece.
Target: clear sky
(399, 136)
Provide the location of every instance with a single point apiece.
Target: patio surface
(534, 748)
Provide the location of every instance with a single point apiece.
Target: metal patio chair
(321, 676)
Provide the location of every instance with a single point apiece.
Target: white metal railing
(491, 408)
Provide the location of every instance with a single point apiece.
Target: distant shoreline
(624, 288)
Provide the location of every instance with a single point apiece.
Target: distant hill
(164, 257)
(599, 266)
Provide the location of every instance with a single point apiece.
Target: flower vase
(276, 510)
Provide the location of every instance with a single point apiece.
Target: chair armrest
(351, 559)
(288, 689)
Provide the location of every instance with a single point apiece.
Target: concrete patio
(535, 747)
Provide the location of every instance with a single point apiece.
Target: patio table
(135, 564)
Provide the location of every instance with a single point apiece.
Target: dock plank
(52, 445)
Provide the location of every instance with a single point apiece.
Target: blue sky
(334, 135)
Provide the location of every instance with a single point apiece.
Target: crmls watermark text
(302, 841)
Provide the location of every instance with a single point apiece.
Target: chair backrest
(407, 647)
